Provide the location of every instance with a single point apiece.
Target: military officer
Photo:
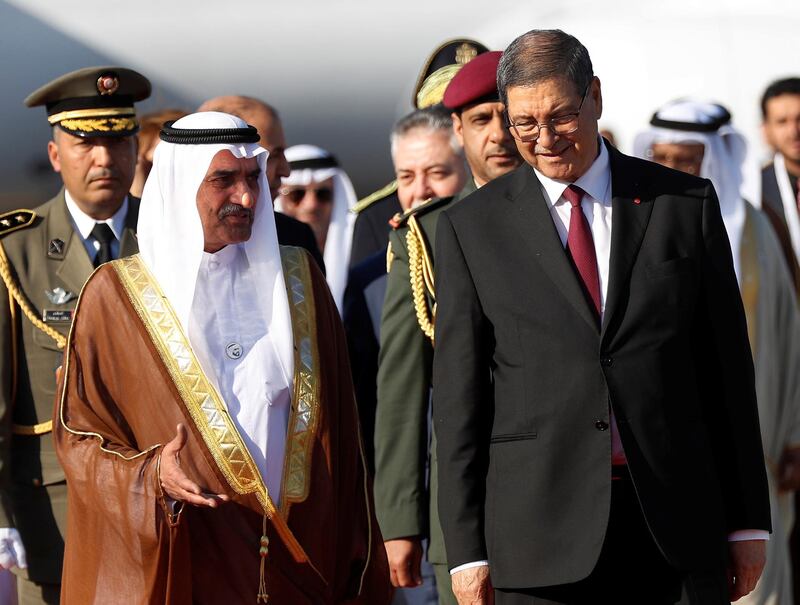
(46, 255)
(405, 505)
(375, 210)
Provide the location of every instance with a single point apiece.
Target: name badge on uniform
(55, 316)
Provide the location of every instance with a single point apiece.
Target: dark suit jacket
(523, 379)
(363, 300)
(770, 193)
(371, 231)
(772, 205)
(292, 232)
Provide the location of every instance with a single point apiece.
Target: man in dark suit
(265, 118)
(594, 401)
(780, 109)
(46, 255)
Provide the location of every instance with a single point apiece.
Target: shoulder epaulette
(401, 218)
(381, 193)
(16, 219)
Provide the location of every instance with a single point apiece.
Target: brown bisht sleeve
(123, 544)
(350, 548)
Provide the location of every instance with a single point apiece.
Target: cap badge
(637, 201)
(107, 85)
(465, 53)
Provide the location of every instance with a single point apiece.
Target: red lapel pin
(637, 201)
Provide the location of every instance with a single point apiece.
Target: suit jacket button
(606, 362)
(601, 425)
(37, 482)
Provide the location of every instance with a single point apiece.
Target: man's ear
(458, 127)
(52, 154)
(597, 94)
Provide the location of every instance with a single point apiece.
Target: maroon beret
(475, 82)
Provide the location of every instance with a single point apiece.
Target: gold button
(37, 482)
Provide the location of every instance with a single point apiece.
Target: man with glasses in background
(593, 392)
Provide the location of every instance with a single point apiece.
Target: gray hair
(430, 119)
(544, 54)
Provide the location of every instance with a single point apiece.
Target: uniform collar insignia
(55, 247)
(59, 296)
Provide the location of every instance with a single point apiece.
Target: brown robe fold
(121, 402)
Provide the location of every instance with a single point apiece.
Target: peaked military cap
(441, 66)
(93, 101)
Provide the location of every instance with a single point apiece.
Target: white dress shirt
(596, 205)
(83, 225)
(237, 353)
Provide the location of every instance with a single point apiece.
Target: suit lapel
(128, 245)
(74, 265)
(536, 229)
(631, 208)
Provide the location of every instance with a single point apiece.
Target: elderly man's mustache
(229, 209)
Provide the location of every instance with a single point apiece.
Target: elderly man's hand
(405, 557)
(175, 483)
(473, 586)
(747, 559)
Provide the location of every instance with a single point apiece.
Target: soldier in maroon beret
(478, 119)
(403, 500)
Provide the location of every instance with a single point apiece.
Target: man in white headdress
(697, 137)
(319, 193)
(206, 422)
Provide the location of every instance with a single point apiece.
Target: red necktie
(580, 246)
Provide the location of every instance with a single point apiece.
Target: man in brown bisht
(260, 493)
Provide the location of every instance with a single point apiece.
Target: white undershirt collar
(596, 181)
(84, 223)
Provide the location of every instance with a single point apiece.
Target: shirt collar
(84, 223)
(596, 181)
(226, 256)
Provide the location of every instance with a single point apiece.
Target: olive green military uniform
(47, 265)
(404, 504)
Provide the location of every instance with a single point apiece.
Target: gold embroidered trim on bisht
(205, 406)
(202, 401)
(304, 417)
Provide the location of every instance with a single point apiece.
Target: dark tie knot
(103, 233)
(573, 194)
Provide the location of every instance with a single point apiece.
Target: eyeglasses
(295, 196)
(568, 123)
